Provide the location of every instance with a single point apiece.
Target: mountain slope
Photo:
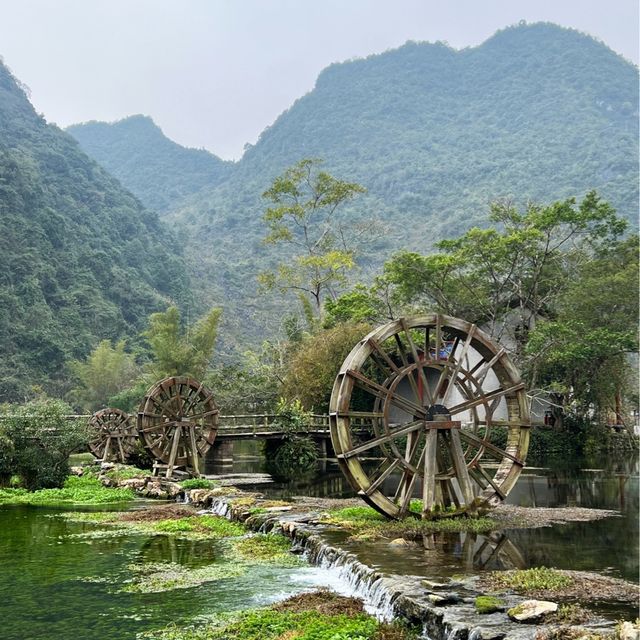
(80, 259)
(159, 171)
(536, 112)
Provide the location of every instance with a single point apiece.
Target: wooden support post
(174, 451)
(430, 466)
(460, 466)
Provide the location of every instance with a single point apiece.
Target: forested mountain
(537, 112)
(80, 259)
(159, 171)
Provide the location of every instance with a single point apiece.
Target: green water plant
(76, 490)
(532, 580)
(197, 483)
(488, 604)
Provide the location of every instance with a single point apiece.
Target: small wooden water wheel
(178, 421)
(113, 435)
(411, 415)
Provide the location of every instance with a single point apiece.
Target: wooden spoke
(392, 466)
(416, 426)
(488, 446)
(387, 437)
(498, 393)
(378, 390)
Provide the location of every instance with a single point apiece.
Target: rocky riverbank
(450, 609)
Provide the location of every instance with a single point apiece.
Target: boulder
(137, 484)
(629, 631)
(400, 542)
(76, 471)
(173, 489)
(532, 610)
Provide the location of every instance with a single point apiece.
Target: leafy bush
(42, 439)
(197, 483)
(76, 490)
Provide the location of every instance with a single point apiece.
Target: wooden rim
(178, 421)
(417, 398)
(113, 435)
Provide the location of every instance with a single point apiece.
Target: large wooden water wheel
(411, 415)
(113, 435)
(178, 421)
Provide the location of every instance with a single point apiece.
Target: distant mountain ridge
(80, 259)
(159, 171)
(537, 112)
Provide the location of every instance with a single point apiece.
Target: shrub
(42, 440)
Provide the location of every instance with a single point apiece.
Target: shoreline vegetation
(319, 615)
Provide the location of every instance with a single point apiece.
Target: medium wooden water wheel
(178, 421)
(411, 415)
(113, 435)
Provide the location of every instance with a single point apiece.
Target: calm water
(55, 587)
(48, 587)
(609, 545)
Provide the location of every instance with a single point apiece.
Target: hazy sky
(215, 73)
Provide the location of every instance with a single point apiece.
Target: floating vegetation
(76, 490)
(197, 527)
(532, 580)
(264, 548)
(365, 523)
(166, 576)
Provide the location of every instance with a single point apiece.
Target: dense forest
(80, 259)
(536, 113)
(159, 171)
(418, 146)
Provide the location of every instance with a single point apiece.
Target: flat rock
(532, 610)
(482, 633)
(629, 631)
(444, 599)
(400, 542)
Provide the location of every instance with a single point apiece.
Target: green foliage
(197, 483)
(295, 454)
(582, 351)
(160, 172)
(488, 604)
(176, 352)
(76, 490)
(311, 369)
(81, 260)
(126, 472)
(529, 580)
(304, 217)
(107, 371)
(42, 439)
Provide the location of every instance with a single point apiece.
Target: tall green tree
(107, 370)
(178, 350)
(509, 276)
(303, 216)
(581, 355)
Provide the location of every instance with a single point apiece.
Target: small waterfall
(221, 508)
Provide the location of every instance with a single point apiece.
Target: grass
(316, 616)
(365, 523)
(531, 580)
(488, 604)
(197, 483)
(265, 548)
(76, 490)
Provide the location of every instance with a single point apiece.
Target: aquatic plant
(76, 490)
(197, 483)
(529, 580)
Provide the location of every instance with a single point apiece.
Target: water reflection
(609, 545)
